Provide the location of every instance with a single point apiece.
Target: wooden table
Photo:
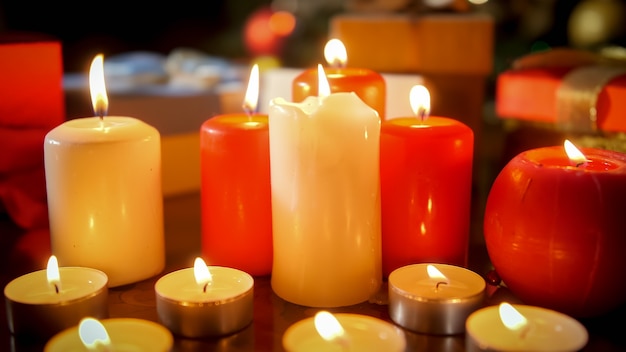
(22, 252)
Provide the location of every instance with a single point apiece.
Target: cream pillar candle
(324, 163)
(105, 203)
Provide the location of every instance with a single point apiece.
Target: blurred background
(241, 29)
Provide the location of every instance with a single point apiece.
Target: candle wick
(56, 288)
(524, 332)
(338, 64)
(205, 287)
(421, 114)
(581, 163)
(248, 109)
(440, 283)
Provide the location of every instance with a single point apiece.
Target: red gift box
(532, 95)
(31, 87)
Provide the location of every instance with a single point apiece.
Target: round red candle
(366, 84)
(555, 230)
(426, 176)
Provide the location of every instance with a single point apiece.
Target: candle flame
(419, 97)
(201, 273)
(99, 98)
(251, 98)
(511, 317)
(52, 273)
(574, 154)
(335, 53)
(93, 334)
(434, 273)
(329, 328)
(324, 88)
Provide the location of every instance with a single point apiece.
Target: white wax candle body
(75, 283)
(417, 303)
(226, 284)
(547, 330)
(413, 280)
(324, 159)
(126, 335)
(103, 178)
(362, 333)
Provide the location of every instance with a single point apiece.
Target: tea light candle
(235, 188)
(526, 328)
(325, 199)
(368, 85)
(39, 308)
(205, 301)
(426, 186)
(103, 181)
(357, 333)
(124, 335)
(434, 298)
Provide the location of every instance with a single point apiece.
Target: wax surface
(103, 179)
(364, 333)
(126, 335)
(413, 281)
(369, 85)
(548, 330)
(325, 200)
(75, 283)
(555, 231)
(227, 284)
(426, 183)
(235, 191)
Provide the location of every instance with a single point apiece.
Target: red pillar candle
(554, 229)
(426, 179)
(366, 84)
(235, 189)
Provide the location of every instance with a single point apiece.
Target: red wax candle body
(367, 84)
(426, 180)
(556, 233)
(235, 193)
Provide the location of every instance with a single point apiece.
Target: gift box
(453, 52)
(579, 100)
(31, 71)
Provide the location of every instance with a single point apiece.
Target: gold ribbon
(578, 94)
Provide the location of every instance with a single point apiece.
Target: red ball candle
(554, 229)
(366, 84)
(235, 191)
(426, 176)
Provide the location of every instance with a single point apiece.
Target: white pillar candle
(432, 304)
(36, 310)
(360, 333)
(324, 161)
(125, 335)
(544, 330)
(105, 203)
(190, 309)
